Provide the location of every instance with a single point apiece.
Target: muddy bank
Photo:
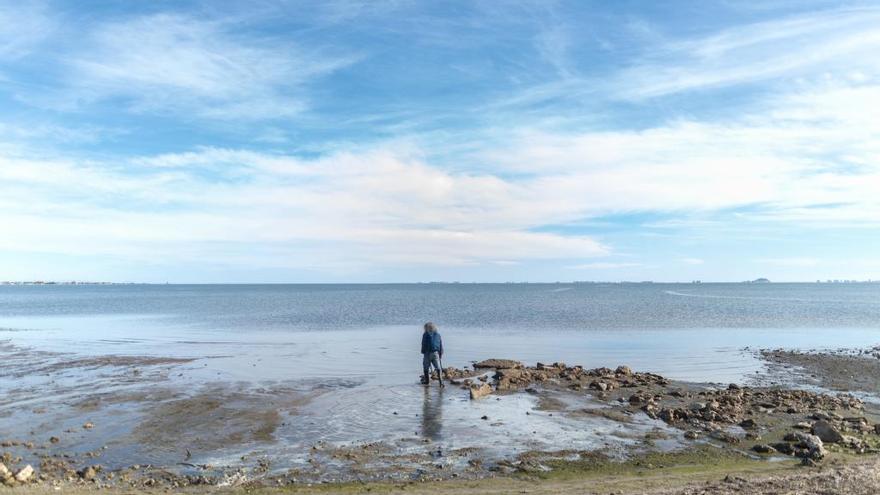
(843, 370)
(498, 417)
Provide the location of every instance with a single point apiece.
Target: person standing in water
(432, 353)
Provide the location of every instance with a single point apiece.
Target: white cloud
(805, 157)
(340, 212)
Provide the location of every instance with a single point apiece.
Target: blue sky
(361, 141)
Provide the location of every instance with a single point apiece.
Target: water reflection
(432, 413)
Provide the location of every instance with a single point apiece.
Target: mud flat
(846, 370)
(137, 423)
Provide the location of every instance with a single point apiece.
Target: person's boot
(425, 380)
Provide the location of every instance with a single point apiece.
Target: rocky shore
(721, 425)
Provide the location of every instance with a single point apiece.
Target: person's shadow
(432, 413)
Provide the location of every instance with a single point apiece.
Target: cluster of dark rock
(716, 412)
(827, 428)
(514, 375)
(738, 405)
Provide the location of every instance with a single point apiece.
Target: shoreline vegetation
(739, 438)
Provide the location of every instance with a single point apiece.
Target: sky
(405, 141)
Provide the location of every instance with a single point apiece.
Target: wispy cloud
(181, 65)
(23, 25)
(835, 40)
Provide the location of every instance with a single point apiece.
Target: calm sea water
(687, 331)
(582, 307)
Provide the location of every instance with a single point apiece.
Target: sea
(688, 331)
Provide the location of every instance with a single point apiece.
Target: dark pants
(429, 359)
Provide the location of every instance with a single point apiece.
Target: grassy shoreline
(698, 469)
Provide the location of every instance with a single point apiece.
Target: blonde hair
(430, 327)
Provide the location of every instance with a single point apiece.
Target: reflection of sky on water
(389, 355)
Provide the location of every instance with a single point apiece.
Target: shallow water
(342, 360)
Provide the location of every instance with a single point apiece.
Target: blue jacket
(431, 342)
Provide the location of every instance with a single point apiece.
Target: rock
(6, 475)
(697, 406)
(764, 449)
(88, 426)
(480, 391)
(803, 425)
(623, 370)
(724, 436)
(813, 444)
(500, 364)
(748, 423)
(692, 435)
(826, 432)
(783, 448)
(54, 439)
(596, 385)
(24, 474)
(635, 400)
(88, 474)
(877, 429)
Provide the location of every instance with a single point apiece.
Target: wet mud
(128, 421)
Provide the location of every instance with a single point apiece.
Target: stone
(692, 435)
(813, 444)
(764, 449)
(748, 423)
(826, 432)
(480, 391)
(24, 474)
(724, 436)
(500, 364)
(623, 370)
(89, 425)
(54, 439)
(88, 474)
(783, 448)
(803, 425)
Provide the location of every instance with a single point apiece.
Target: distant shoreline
(575, 282)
